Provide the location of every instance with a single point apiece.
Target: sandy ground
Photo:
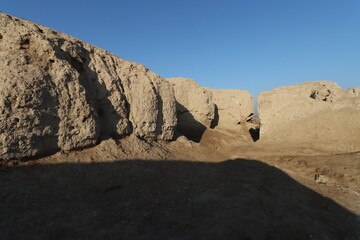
(220, 188)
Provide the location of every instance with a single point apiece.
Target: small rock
(321, 178)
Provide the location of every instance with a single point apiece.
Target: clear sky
(254, 45)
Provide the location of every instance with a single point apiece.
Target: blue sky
(254, 45)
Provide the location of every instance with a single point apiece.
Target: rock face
(234, 107)
(311, 115)
(194, 106)
(57, 92)
(200, 108)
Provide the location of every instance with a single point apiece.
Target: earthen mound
(318, 115)
(57, 92)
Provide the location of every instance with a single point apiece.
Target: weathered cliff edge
(59, 93)
(311, 115)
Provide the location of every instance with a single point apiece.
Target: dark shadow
(254, 133)
(313, 95)
(160, 116)
(215, 121)
(188, 125)
(236, 199)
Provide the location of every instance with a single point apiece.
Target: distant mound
(312, 115)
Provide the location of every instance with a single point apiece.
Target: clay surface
(233, 106)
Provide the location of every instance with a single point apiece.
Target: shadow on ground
(236, 199)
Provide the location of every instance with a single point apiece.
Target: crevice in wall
(254, 121)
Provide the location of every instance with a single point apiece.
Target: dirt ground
(219, 188)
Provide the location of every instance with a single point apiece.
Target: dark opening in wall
(254, 133)
(215, 121)
(25, 43)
